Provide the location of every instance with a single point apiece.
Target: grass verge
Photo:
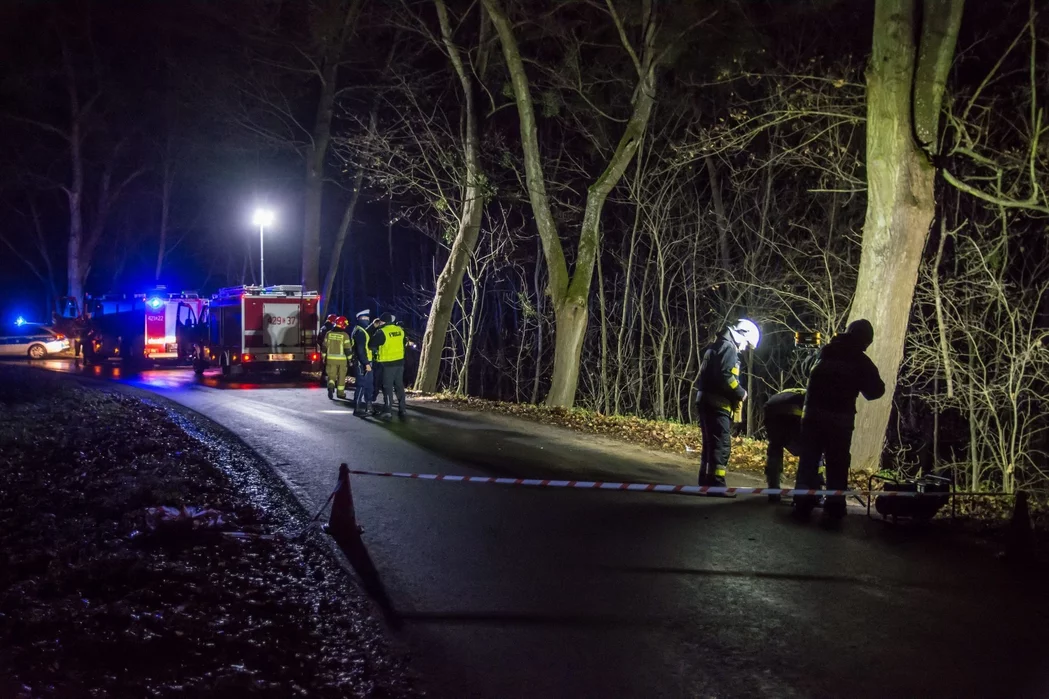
(95, 602)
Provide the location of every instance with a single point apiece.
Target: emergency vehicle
(261, 329)
(156, 326)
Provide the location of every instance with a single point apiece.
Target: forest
(566, 199)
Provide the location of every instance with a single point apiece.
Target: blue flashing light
(20, 321)
(155, 303)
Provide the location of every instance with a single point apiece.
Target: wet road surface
(507, 593)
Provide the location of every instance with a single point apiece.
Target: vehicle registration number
(281, 357)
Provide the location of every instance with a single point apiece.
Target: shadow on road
(862, 580)
(357, 554)
(506, 451)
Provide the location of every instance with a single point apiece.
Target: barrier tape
(640, 487)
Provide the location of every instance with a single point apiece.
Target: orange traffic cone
(342, 523)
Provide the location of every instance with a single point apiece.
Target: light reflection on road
(173, 379)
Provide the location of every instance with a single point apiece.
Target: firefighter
(841, 374)
(364, 378)
(326, 327)
(336, 344)
(719, 396)
(388, 343)
(783, 429)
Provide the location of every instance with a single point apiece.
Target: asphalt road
(506, 593)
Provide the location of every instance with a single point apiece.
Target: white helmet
(745, 333)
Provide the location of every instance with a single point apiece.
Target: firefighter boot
(331, 390)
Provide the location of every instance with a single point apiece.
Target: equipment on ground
(920, 509)
(261, 329)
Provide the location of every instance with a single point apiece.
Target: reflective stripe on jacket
(336, 342)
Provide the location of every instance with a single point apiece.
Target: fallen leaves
(87, 609)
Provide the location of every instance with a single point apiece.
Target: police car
(31, 340)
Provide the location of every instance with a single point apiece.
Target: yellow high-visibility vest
(392, 349)
(336, 342)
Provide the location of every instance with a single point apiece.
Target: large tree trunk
(901, 201)
(571, 320)
(569, 293)
(451, 278)
(317, 151)
(315, 157)
(340, 240)
(165, 215)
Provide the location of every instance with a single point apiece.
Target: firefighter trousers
(336, 371)
(784, 433)
(393, 381)
(830, 441)
(716, 426)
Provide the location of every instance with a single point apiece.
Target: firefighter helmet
(341, 322)
(331, 318)
(745, 333)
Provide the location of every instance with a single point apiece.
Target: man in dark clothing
(783, 428)
(719, 395)
(841, 374)
(388, 343)
(364, 378)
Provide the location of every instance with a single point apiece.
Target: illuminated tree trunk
(905, 84)
(569, 292)
(451, 278)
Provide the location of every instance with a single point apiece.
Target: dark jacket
(841, 374)
(718, 384)
(360, 344)
(789, 402)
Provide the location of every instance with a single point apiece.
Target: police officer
(783, 428)
(719, 395)
(841, 374)
(388, 343)
(336, 345)
(363, 375)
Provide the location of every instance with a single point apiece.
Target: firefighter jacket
(326, 328)
(360, 345)
(336, 344)
(718, 385)
(790, 402)
(840, 375)
(388, 343)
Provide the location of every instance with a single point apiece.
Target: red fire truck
(158, 326)
(261, 329)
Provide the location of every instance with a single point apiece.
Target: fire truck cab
(158, 326)
(261, 329)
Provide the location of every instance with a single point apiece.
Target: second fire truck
(261, 329)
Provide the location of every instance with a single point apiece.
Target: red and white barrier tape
(635, 487)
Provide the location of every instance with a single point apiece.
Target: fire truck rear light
(315, 357)
(235, 357)
(248, 357)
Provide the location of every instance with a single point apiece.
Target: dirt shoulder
(103, 594)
